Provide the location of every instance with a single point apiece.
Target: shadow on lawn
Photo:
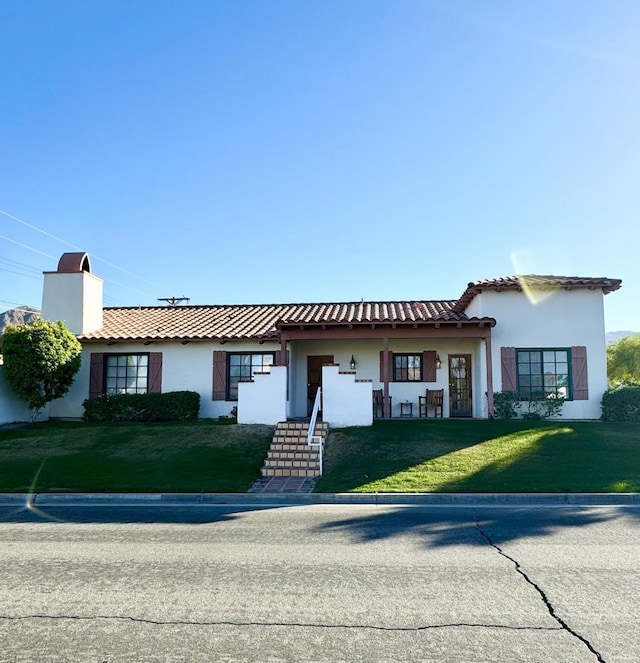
(477, 457)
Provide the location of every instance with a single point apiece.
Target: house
(268, 360)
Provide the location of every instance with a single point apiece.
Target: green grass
(483, 456)
(178, 457)
(391, 456)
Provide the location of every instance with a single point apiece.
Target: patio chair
(378, 404)
(433, 398)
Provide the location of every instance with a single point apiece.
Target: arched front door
(460, 386)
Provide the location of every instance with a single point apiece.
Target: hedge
(170, 406)
(621, 404)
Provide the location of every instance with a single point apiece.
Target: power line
(21, 265)
(40, 230)
(26, 307)
(27, 276)
(73, 246)
(25, 246)
(114, 301)
(111, 281)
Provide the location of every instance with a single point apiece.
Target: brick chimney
(73, 294)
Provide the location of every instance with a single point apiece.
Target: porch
(360, 382)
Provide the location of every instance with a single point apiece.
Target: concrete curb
(292, 499)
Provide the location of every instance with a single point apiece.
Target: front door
(459, 385)
(314, 376)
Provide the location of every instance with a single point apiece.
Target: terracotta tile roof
(366, 312)
(536, 281)
(260, 321)
(263, 321)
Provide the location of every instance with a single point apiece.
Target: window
(544, 369)
(407, 368)
(126, 374)
(242, 366)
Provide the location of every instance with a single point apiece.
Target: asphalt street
(108, 583)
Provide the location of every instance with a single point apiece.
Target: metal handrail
(316, 440)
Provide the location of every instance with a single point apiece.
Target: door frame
(455, 412)
(320, 361)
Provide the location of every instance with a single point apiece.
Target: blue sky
(287, 150)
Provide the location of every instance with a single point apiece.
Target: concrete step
(291, 447)
(284, 459)
(290, 454)
(289, 472)
(311, 456)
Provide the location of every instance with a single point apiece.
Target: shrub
(623, 362)
(170, 406)
(621, 404)
(41, 361)
(541, 405)
(505, 405)
(534, 405)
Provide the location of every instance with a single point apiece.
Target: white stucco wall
(564, 319)
(12, 409)
(264, 399)
(345, 400)
(75, 298)
(184, 367)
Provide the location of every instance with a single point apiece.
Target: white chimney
(73, 294)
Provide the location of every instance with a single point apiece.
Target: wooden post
(386, 409)
(487, 343)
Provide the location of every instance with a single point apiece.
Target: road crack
(373, 627)
(543, 596)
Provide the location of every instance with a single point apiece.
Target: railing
(316, 440)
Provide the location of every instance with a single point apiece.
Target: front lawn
(391, 456)
(483, 456)
(178, 457)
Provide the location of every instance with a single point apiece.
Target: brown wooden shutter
(96, 374)
(508, 361)
(429, 366)
(155, 372)
(381, 365)
(219, 375)
(579, 373)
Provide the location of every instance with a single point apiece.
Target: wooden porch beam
(425, 332)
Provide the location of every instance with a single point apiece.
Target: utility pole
(174, 301)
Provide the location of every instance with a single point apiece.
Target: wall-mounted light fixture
(438, 362)
(352, 363)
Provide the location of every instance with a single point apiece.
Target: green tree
(40, 361)
(623, 362)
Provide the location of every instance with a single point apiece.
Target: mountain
(614, 336)
(18, 316)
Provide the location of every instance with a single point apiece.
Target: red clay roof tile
(261, 321)
(264, 321)
(538, 281)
